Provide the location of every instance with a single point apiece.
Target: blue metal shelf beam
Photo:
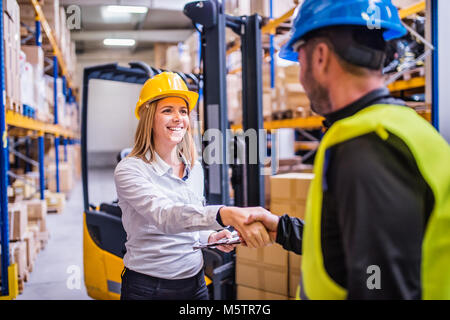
(3, 168)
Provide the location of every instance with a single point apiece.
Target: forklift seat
(112, 209)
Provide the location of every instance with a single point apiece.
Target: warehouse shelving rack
(301, 124)
(13, 119)
(315, 121)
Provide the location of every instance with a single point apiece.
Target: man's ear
(321, 61)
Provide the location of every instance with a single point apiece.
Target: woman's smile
(171, 121)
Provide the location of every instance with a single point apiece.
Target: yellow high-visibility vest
(432, 155)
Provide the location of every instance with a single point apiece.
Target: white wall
(111, 120)
(121, 56)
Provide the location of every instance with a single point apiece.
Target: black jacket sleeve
(290, 233)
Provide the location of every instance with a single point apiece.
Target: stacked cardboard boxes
(23, 189)
(66, 44)
(38, 90)
(11, 42)
(65, 177)
(33, 81)
(262, 273)
(37, 220)
(51, 11)
(18, 256)
(28, 234)
(272, 272)
(49, 99)
(18, 221)
(288, 194)
(56, 201)
(290, 94)
(178, 58)
(69, 167)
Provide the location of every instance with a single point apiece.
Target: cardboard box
(264, 268)
(290, 186)
(24, 189)
(18, 221)
(293, 209)
(19, 256)
(33, 227)
(51, 13)
(247, 293)
(35, 55)
(36, 208)
(11, 41)
(30, 249)
(55, 201)
(41, 224)
(65, 177)
(295, 262)
(43, 236)
(288, 193)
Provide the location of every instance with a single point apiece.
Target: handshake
(256, 226)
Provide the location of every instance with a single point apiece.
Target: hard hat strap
(361, 56)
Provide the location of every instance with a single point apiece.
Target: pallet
(21, 285)
(55, 210)
(281, 115)
(413, 73)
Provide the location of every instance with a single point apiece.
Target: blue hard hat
(316, 14)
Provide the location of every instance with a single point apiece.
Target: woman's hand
(216, 236)
(255, 234)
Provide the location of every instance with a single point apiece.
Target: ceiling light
(119, 42)
(126, 9)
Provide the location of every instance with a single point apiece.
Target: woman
(160, 190)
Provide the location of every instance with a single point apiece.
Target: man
(377, 220)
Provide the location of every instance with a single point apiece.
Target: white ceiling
(164, 22)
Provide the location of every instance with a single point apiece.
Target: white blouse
(162, 215)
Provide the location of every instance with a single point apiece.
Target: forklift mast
(247, 180)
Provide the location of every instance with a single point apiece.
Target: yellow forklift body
(102, 270)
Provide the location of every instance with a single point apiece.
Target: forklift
(103, 234)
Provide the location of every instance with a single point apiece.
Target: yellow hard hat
(165, 84)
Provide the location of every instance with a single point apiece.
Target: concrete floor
(58, 269)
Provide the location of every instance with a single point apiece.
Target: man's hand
(255, 235)
(216, 236)
(269, 220)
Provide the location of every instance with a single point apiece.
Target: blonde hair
(143, 138)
